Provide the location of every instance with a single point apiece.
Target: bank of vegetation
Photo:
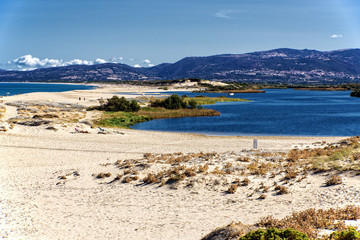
(355, 93)
(230, 88)
(119, 112)
(304, 225)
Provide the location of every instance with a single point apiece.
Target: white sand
(34, 206)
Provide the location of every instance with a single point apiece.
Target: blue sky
(43, 33)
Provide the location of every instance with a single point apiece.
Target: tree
(172, 102)
(192, 104)
(134, 106)
(116, 104)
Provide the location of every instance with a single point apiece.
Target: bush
(350, 234)
(232, 189)
(355, 93)
(333, 180)
(175, 102)
(116, 104)
(275, 234)
(192, 104)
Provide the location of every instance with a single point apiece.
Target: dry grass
(262, 196)
(232, 189)
(53, 112)
(214, 170)
(245, 182)
(243, 159)
(103, 175)
(333, 180)
(309, 221)
(256, 168)
(157, 113)
(282, 190)
(203, 168)
(290, 174)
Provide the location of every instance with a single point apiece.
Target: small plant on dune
(174, 178)
(282, 190)
(310, 220)
(349, 234)
(262, 196)
(118, 177)
(245, 182)
(151, 178)
(217, 171)
(259, 169)
(232, 189)
(293, 155)
(103, 175)
(203, 168)
(125, 164)
(264, 188)
(190, 172)
(148, 155)
(228, 165)
(274, 234)
(129, 179)
(290, 174)
(333, 180)
(243, 159)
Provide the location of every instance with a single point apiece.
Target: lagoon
(278, 112)
(21, 88)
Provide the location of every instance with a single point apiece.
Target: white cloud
(29, 62)
(336, 36)
(148, 63)
(116, 59)
(100, 61)
(78, 62)
(227, 14)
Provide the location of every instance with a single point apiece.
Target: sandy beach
(49, 188)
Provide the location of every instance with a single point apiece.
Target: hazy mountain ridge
(274, 66)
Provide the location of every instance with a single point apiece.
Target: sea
(21, 88)
(278, 112)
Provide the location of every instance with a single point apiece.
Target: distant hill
(273, 66)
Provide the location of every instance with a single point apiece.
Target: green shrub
(192, 104)
(116, 104)
(275, 234)
(121, 119)
(350, 234)
(174, 102)
(355, 93)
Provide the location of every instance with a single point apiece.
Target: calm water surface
(276, 112)
(19, 88)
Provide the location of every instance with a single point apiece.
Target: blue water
(276, 112)
(18, 88)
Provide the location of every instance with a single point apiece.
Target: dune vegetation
(119, 112)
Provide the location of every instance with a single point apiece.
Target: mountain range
(288, 66)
